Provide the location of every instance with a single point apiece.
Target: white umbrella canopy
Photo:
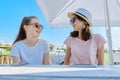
(55, 11)
(51, 8)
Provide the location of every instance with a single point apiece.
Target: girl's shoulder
(69, 37)
(18, 43)
(43, 41)
(97, 36)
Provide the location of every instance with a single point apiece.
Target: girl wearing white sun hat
(83, 13)
(82, 46)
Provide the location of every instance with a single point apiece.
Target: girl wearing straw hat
(82, 46)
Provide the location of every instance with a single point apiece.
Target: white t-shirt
(30, 55)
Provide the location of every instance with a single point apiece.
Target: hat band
(81, 14)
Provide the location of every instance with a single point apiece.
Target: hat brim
(70, 15)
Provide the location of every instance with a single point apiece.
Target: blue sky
(12, 12)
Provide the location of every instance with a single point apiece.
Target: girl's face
(77, 24)
(34, 28)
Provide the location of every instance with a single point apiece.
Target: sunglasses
(37, 25)
(72, 20)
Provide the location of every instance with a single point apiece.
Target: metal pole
(108, 31)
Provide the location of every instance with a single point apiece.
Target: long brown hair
(22, 33)
(86, 33)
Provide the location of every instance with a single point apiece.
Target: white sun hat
(83, 13)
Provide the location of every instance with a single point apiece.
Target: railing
(5, 58)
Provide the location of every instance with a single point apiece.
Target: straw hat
(82, 13)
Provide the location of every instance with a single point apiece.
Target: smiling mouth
(38, 31)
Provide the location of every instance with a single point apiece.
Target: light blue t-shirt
(30, 55)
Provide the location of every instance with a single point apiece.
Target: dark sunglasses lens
(72, 20)
(37, 26)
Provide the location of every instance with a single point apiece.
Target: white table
(59, 72)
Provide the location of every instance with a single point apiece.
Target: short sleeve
(100, 40)
(67, 42)
(15, 51)
(46, 47)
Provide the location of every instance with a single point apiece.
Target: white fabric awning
(55, 11)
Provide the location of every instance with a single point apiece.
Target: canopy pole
(108, 32)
